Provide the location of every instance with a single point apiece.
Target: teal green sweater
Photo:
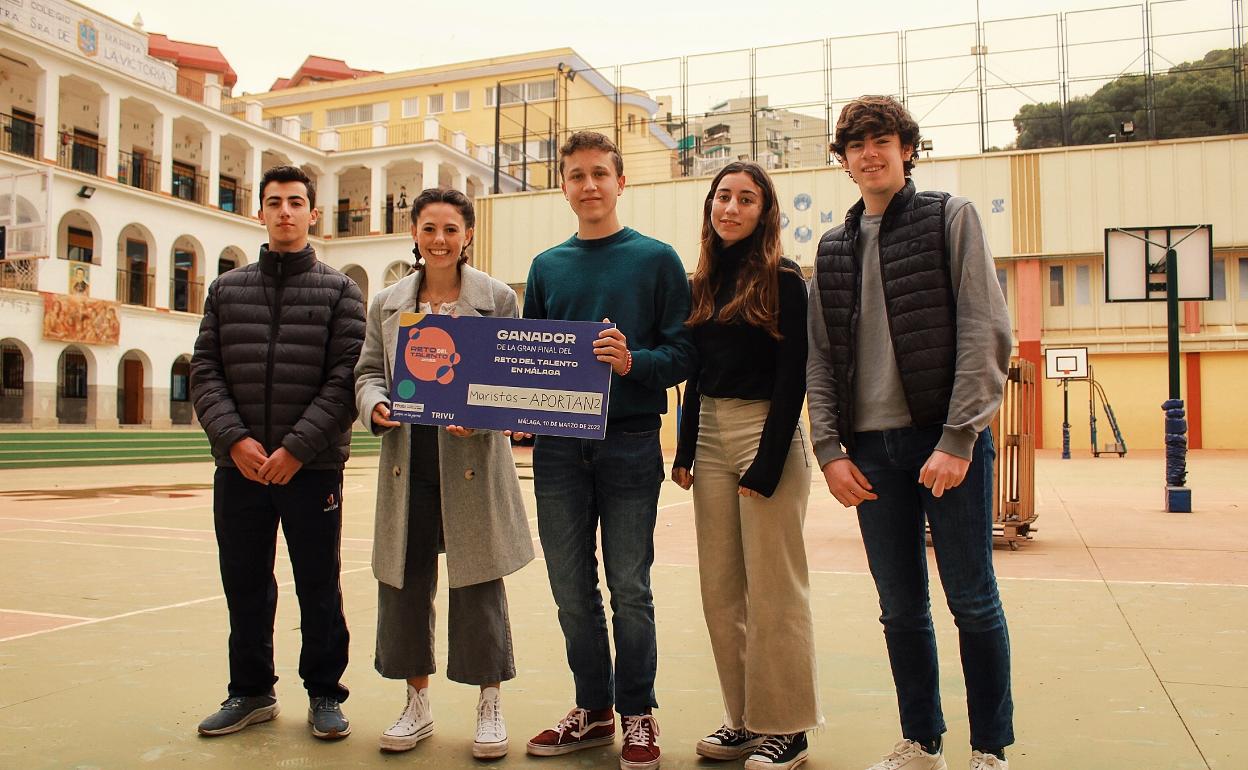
(641, 285)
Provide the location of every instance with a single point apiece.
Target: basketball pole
(1065, 418)
(1178, 496)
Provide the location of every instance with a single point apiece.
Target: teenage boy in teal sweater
(608, 272)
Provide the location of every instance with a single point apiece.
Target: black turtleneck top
(738, 360)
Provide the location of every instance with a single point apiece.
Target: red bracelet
(628, 364)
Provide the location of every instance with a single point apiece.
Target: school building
(127, 184)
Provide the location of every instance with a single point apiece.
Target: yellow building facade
(545, 96)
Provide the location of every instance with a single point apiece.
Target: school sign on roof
(78, 30)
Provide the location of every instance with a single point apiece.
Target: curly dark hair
(591, 140)
(451, 197)
(875, 116)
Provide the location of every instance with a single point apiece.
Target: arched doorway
(357, 274)
(132, 407)
(395, 272)
(231, 257)
(72, 389)
(135, 275)
(180, 411)
(14, 393)
(186, 287)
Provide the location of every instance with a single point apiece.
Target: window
(1243, 277)
(80, 245)
(1217, 280)
(1083, 284)
(436, 104)
(183, 272)
(1003, 279)
(184, 181)
(1057, 286)
(227, 194)
(73, 375)
(463, 100)
(14, 370)
(179, 382)
(225, 265)
(359, 113)
(632, 123)
(797, 122)
(411, 107)
(537, 90)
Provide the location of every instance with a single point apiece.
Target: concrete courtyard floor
(1129, 629)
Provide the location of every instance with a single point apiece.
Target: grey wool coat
(484, 525)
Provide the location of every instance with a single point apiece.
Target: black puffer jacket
(275, 359)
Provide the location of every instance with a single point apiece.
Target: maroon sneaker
(580, 729)
(641, 743)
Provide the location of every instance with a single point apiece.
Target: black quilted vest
(918, 298)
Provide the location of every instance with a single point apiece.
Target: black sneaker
(727, 743)
(779, 752)
(327, 720)
(237, 712)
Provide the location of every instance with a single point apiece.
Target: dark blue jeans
(614, 482)
(961, 523)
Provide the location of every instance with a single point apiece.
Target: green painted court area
(68, 448)
(1129, 629)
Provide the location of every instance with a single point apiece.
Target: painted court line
(146, 611)
(44, 614)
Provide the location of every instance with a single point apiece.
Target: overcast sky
(265, 39)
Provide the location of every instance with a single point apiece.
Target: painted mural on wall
(80, 319)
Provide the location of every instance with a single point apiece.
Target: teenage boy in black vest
(909, 346)
(273, 383)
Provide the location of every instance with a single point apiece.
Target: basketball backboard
(1066, 363)
(1135, 262)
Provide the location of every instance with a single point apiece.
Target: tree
(1191, 99)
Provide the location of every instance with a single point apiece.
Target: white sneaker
(982, 761)
(491, 740)
(413, 725)
(909, 755)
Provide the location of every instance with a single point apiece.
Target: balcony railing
(191, 89)
(191, 187)
(81, 153)
(186, 296)
(19, 135)
(136, 288)
(399, 220)
(20, 273)
(233, 198)
(138, 171)
(352, 223)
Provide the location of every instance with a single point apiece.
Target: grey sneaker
(327, 720)
(237, 712)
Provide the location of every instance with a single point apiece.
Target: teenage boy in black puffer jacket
(273, 385)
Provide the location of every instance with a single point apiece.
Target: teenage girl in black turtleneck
(740, 424)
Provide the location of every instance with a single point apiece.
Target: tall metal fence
(1151, 70)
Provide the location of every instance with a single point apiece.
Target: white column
(459, 180)
(110, 126)
(213, 140)
(379, 135)
(212, 90)
(253, 112)
(254, 156)
(376, 199)
(327, 201)
(327, 140)
(48, 109)
(432, 129)
(164, 146)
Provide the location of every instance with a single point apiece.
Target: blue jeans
(961, 523)
(581, 483)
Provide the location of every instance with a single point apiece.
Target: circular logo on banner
(784, 220)
(801, 201)
(430, 355)
(802, 234)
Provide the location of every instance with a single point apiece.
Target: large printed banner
(501, 374)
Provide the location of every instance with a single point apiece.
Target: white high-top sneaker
(982, 761)
(491, 740)
(413, 725)
(909, 755)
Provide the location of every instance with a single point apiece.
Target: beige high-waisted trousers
(752, 564)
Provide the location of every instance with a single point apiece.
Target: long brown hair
(757, 296)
